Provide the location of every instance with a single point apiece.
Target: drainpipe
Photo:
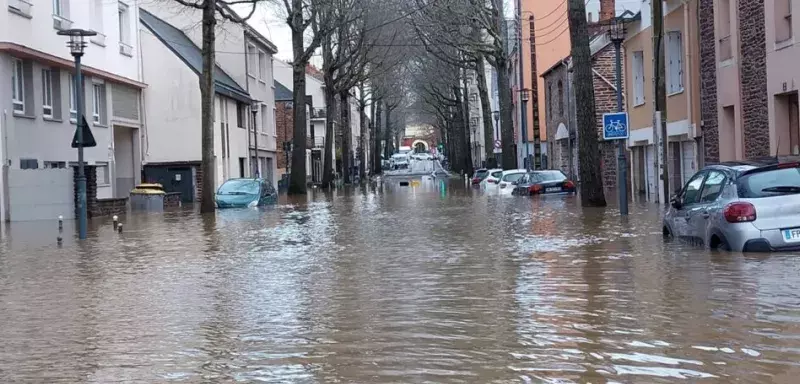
(689, 84)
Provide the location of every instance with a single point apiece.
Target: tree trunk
(377, 164)
(330, 134)
(362, 142)
(297, 179)
(468, 129)
(591, 187)
(387, 135)
(506, 115)
(486, 113)
(207, 165)
(347, 135)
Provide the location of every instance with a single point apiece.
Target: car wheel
(666, 233)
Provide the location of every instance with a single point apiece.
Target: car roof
(511, 171)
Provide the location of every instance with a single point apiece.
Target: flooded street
(431, 284)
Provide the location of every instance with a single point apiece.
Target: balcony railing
(318, 113)
(725, 48)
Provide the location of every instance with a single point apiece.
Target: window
(73, 109)
(560, 99)
(97, 15)
(125, 47)
(28, 164)
(18, 85)
(58, 8)
(241, 115)
(99, 104)
(674, 62)
(638, 78)
(783, 20)
(265, 120)
(550, 100)
(55, 164)
(768, 183)
(712, 187)
(262, 65)
(102, 173)
(692, 189)
(47, 93)
(251, 60)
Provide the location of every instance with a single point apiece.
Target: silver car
(738, 206)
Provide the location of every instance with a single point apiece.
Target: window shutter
(679, 66)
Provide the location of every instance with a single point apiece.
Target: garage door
(689, 164)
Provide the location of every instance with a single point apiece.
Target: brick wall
(753, 69)
(284, 126)
(198, 183)
(605, 101)
(708, 82)
(109, 207)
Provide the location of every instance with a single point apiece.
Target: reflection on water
(435, 283)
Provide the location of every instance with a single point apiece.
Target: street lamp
(76, 46)
(496, 115)
(524, 116)
(616, 32)
(254, 109)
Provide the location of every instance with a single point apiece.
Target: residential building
(284, 125)
(260, 85)
(683, 92)
(782, 76)
(39, 114)
(171, 65)
(560, 111)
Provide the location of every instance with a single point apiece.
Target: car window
(712, 187)
(512, 177)
(481, 174)
(239, 186)
(776, 182)
(497, 174)
(545, 176)
(692, 189)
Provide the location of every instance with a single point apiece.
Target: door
(687, 148)
(652, 192)
(241, 166)
(690, 198)
(173, 179)
(706, 205)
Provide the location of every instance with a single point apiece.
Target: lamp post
(617, 34)
(524, 117)
(254, 109)
(76, 46)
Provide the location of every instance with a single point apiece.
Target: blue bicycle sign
(615, 126)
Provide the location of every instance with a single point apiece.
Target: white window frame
(638, 77)
(18, 85)
(73, 100)
(106, 181)
(47, 93)
(252, 60)
(124, 16)
(96, 103)
(262, 65)
(674, 62)
(58, 8)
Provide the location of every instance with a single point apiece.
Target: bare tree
(211, 10)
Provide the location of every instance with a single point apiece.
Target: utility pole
(660, 99)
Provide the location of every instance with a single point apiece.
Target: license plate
(791, 235)
(554, 189)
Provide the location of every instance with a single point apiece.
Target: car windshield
(481, 173)
(399, 157)
(239, 187)
(547, 176)
(512, 177)
(769, 183)
(497, 174)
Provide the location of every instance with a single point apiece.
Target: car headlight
(252, 204)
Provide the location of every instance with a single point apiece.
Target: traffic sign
(615, 126)
(497, 144)
(88, 138)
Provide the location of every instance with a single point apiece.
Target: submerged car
(479, 175)
(399, 161)
(739, 206)
(241, 193)
(544, 183)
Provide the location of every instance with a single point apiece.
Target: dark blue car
(245, 193)
(543, 182)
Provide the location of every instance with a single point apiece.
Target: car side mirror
(677, 202)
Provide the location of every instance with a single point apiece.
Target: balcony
(20, 7)
(61, 23)
(725, 49)
(318, 113)
(125, 49)
(99, 39)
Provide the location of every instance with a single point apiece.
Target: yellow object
(149, 189)
(415, 183)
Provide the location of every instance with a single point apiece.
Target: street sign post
(615, 126)
(498, 144)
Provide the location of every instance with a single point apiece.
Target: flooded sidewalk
(436, 283)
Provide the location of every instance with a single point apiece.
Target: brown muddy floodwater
(430, 284)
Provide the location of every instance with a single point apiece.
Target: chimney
(607, 11)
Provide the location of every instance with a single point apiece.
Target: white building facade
(263, 148)
(38, 100)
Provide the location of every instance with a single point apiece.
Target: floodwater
(431, 283)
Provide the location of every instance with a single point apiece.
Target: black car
(543, 183)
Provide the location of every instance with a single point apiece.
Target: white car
(508, 180)
(491, 180)
(399, 161)
(423, 156)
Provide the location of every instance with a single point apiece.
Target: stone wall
(198, 183)
(172, 199)
(284, 127)
(708, 82)
(109, 207)
(96, 207)
(753, 70)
